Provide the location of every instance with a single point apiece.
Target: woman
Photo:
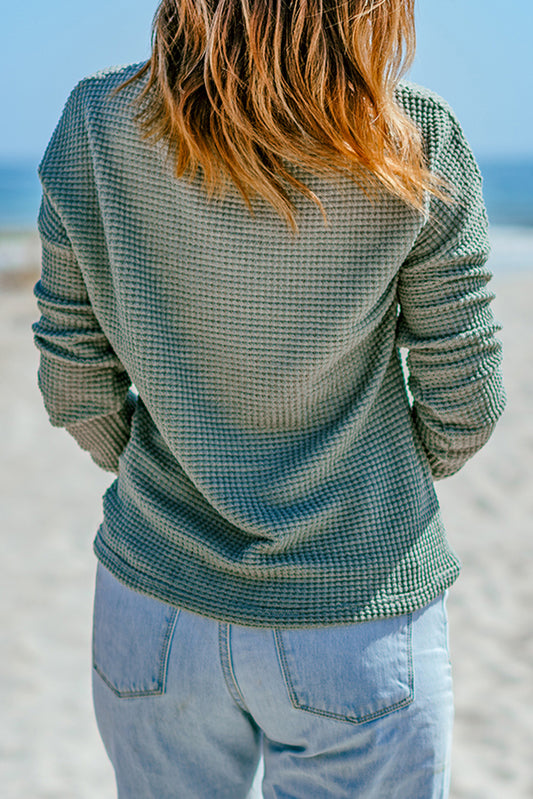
(248, 228)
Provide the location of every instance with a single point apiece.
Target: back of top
(271, 469)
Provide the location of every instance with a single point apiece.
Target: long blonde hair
(244, 88)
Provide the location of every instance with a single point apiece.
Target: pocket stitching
(284, 667)
(163, 665)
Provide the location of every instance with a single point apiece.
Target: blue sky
(475, 53)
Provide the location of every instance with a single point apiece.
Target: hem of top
(401, 603)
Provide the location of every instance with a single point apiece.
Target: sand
(49, 512)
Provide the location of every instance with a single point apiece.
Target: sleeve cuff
(446, 456)
(106, 437)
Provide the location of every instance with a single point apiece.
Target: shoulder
(423, 104)
(99, 86)
(91, 107)
(434, 117)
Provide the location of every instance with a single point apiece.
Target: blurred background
(478, 56)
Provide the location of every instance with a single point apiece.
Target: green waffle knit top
(274, 467)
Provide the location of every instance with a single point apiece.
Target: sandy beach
(50, 509)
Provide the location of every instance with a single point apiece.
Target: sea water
(508, 191)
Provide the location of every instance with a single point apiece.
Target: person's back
(272, 472)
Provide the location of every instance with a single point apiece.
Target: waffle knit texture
(246, 384)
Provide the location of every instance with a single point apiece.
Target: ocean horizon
(507, 184)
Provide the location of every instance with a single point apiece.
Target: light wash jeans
(186, 706)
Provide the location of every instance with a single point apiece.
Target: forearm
(454, 364)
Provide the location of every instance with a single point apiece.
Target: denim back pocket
(132, 634)
(356, 673)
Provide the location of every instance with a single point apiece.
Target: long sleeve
(84, 385)
(446, 320)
